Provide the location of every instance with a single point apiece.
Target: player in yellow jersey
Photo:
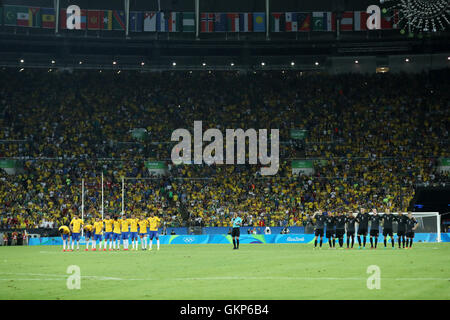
(154, 223)
(134, 231)
(143, 223)
(108, 231)
(88, 235)
(116, 233)
(64, 231)
(125, 224)
(75, 227)
(98, 231)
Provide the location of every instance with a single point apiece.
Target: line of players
(112, 230)
(339, 224)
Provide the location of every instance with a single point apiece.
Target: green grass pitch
(255, 271)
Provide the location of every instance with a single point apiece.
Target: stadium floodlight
(317, 63)
(232, 64)
(53, 61)
(448, 58)
(407, 60)
(292, 63)
(174, 64)
(22, 61)
(142, 63)
(356, 61)
(21, 69)
(263, 64)
(204, 64)
(81, 62)
(118, 72)
(114, 62)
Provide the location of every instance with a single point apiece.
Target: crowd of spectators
(373, 139)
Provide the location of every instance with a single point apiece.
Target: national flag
(390, 19)
(35, 15)
(135, 21)
(22, 19)
(107, 20)
(246, 22)
(48, 18)
(347, 21)
(188, 21)
(304, 21)
(233, 22)
(360, 20)
(277, 22)
(95, 19)
(207, 22)
(324, 21)
(118, 21)
(150, 21)
(162, 24)
(291, 22)
(259, 22)
(12, 13)
(220, 22)
(63, 19)
(174, 22)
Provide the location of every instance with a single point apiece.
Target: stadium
(224, 150)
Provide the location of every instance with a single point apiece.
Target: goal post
(429, 222)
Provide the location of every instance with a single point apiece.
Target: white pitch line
(103, 278)
(24, 279)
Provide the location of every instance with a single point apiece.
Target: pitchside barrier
(244, 238)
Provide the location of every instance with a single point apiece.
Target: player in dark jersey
(350, 221)
(411, 226)
(374, 228)
(363, 223)
(330, 229)
(388, 219)
(319, 226)
(339, 221)
(401, 229)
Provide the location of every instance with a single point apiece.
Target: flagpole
(127, 17)
(56, 7)
(82, 204)
(267, 19)
(102, 197)
(197, 17)
(123, 195)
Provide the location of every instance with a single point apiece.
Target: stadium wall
(245, 238)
